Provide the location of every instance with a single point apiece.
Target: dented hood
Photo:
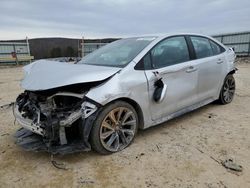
(44, 74)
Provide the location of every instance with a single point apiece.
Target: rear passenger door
(210, 60)
(170, 60)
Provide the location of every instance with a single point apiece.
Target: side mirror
(160, 91)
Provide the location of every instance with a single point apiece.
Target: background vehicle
(129, 84)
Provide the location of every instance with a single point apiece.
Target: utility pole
(15, 54)
(28, 47)
(82, 47)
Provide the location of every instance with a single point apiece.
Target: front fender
(130, 84)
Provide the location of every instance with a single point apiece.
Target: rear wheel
(115, 128)
(227, 90)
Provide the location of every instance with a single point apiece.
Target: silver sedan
(130, 84)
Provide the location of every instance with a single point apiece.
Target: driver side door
(171, 62)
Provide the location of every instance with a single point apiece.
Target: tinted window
(202, 47)
(169, 52)
(216, 48)
(118, 53)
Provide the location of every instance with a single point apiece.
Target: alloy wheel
(118, 129)
(228, 90)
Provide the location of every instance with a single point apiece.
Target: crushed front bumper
(27, 123)
(51, 137)
(30, 141)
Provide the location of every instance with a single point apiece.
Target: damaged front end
(54, 121)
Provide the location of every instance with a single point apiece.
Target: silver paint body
(44, 74)
(189, 85)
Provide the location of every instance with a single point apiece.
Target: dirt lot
(184, 152)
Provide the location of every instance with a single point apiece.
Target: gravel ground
(184, 152)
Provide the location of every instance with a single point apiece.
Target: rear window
(217, 49)
(202, 47)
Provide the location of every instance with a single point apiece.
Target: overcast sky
(120, 18)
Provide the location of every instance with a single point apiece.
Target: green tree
(56, 52)
(69, 52)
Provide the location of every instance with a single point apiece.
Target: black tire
(98, 143)
(228, 90)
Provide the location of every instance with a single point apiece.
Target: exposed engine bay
(54, 120)
(53, 111)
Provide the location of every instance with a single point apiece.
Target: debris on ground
(5, 134)
(17, 180)
(158, 148)
(85, 181)
(138, 156)
(211, 115)
(231, 165)
(57, 165)
(228, 163)
(150, 183)
(6, 106)
(211, 157)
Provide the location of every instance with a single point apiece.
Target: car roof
(173, 34)
(162, 36)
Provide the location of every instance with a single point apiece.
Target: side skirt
(181, 112)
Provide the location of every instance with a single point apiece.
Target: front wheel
(227, 90)
(114, 128)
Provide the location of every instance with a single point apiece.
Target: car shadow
(143, 134)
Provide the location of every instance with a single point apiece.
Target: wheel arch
(233, 71)
(136, 106)
(221, 100)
